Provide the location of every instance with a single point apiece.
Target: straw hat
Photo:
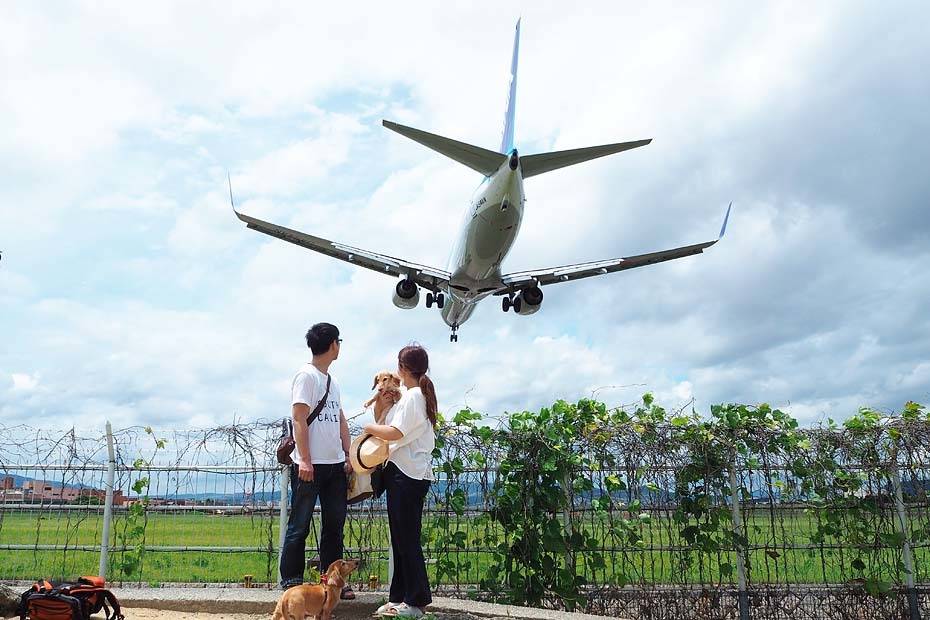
(367, 452)
(358, 487)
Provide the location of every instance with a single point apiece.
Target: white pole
(912, 601)
(740, 560)
(108, 504)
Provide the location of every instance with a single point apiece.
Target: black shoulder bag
(286, 443)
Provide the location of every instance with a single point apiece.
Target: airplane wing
(541, 277)
(426, 277)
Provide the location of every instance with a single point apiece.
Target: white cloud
(151, 203)
(128, 287)
(24, 382)
(13, 286)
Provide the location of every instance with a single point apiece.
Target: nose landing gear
(454, 337)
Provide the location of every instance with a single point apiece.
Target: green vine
(132, 537)
(544, 477)
(565, 468)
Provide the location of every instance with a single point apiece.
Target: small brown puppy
(317, 600)
(386, 382)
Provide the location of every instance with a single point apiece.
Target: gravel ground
(258, 604)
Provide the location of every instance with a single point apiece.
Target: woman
(408, 427)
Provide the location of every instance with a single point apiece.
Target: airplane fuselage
(489, 228)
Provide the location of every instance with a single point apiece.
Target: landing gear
(454, 337)
(511, 302)
(439, 298)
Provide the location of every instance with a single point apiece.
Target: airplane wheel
(429, 300)
(453, 338)
(505, 304)
(440, 300)
(517, 304)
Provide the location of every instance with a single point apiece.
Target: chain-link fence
(673, 525)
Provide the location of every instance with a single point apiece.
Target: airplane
(490, 227)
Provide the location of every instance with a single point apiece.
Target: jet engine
(406, 294)
(528, 301)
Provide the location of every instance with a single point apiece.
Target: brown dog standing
(317, 600)
(386, 382)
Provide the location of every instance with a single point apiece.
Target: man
(321, 461)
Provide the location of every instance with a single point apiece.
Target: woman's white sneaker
(387, 608)
(407, 611)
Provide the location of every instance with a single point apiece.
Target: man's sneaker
(387, 608)
(407, 611)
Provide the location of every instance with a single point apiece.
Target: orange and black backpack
(67, 600)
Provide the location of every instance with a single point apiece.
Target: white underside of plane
(491, 224)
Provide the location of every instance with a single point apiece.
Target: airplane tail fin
(546, 162)
(482, 160)
(507, 137)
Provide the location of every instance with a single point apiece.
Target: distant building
(11, 496)
(39, 491)
(6, 484)
(118, 498)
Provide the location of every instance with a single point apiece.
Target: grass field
(368, 537)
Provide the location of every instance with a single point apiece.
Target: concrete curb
(263, 601)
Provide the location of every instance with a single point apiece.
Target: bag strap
(109, 597)
(319, 406)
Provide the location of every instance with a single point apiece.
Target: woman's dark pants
(405, 498)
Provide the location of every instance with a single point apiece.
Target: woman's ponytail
(429, 393)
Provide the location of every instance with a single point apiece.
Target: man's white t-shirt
(308, 388)
(412, 453)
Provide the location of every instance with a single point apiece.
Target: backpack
(64, 600)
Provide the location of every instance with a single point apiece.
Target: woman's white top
(412, 453)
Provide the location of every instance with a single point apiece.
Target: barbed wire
(786, 540)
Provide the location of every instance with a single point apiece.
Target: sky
(129, 291)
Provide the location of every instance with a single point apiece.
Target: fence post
(108, 504)
(912, 602)
(740, 560)
(285, 481)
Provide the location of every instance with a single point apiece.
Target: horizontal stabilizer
(481, 160)
(545, 162)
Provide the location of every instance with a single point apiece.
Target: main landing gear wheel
(439, 299)
(511, 302)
